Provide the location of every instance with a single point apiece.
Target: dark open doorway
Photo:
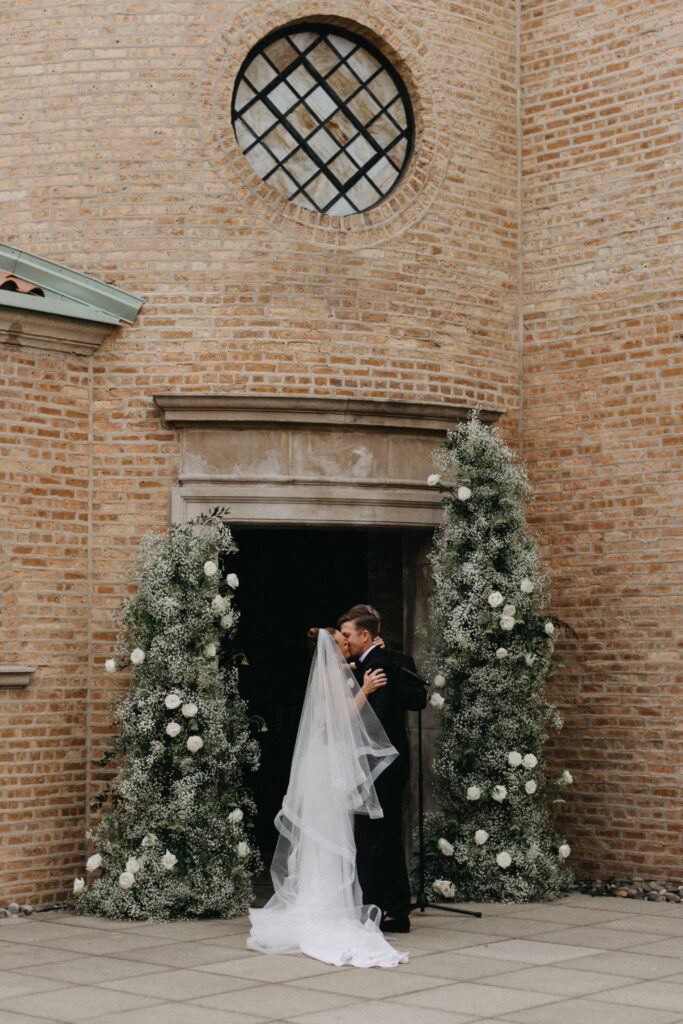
(291, 579)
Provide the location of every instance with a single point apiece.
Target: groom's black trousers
(380, 859)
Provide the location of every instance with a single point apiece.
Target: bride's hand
(373, 680)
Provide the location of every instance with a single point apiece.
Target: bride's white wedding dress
(341, 748)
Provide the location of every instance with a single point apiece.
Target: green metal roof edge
(53, 304)
(70, 284)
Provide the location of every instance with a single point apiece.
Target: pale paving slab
(374, 983)
(280, 1001)
(590, 1011)
(6, 1017)
(598, 937)
(270, 969)
(177, 985)
(89, 921)
(89, 970)
(14, 984)
(649, 923)
(174, 1013)
(628, 964)
(509, 926)
(660, 995)
(672, 946)
(528, 951)
(42, 933)
(439, 939)
(567, 915)
(454, 966)
(471, 997)
(24, 956)
(181, 954)
(98, 943)
(384, 1013)
(188, 931)
(75, 1003)
(557, 980)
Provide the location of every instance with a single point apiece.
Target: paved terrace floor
(576, 961)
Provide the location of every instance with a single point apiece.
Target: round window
(324, 118)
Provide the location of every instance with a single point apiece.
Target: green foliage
(184, 742)
(492, 648)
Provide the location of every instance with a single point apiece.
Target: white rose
(473, 793)
(235, 816)
(169, 861)
(189, 710)
(436, 700)
(499, 793)
(433, 480)
(509, 609)
(137, 656)
(563, 851)
(447, 849)
(495, 599)
(464, 493)
(232, 580)
(481, 836)
(219, 604)
(172, 701)
(132, 865)
(507, 622)
(79, 885)
(94, 862)
(529, 761)
(530, 659)
(503, 859)
(514, 759)
(126, 880)
(439, 681)
(444, 888)
(501, 653)
(210, 568)
(149, 840)
(209, 650)
(243, 849)
(228, 621)
(194, 744)
(526, 586)
(172, 729)
(549, 628)
(110, 665)
(531, 786)
(566, 777)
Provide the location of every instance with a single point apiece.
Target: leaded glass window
(324, 118)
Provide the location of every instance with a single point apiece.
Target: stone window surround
(308, 461)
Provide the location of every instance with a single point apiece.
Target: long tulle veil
(341, 748)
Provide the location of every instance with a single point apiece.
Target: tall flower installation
(173, 841)
(492, 646)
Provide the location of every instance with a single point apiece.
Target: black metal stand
(422, 900)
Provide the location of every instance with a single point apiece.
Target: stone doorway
(291, 579)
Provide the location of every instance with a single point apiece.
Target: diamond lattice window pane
(324, 118)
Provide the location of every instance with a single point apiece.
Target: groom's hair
(364, 616)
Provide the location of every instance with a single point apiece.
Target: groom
(380, 859)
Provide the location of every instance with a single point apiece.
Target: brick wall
(603, 297)
(118, 160)
(44, 573)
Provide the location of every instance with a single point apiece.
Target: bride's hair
(312, 636)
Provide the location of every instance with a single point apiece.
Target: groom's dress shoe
(395, 924)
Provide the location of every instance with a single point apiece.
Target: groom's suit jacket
(389, 701)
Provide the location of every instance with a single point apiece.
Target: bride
(317, 907)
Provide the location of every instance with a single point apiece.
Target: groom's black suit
(380, 859)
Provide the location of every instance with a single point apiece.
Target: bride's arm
(372, 680)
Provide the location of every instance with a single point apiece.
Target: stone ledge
(28, 328)
(323, 413)
(15, 677)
